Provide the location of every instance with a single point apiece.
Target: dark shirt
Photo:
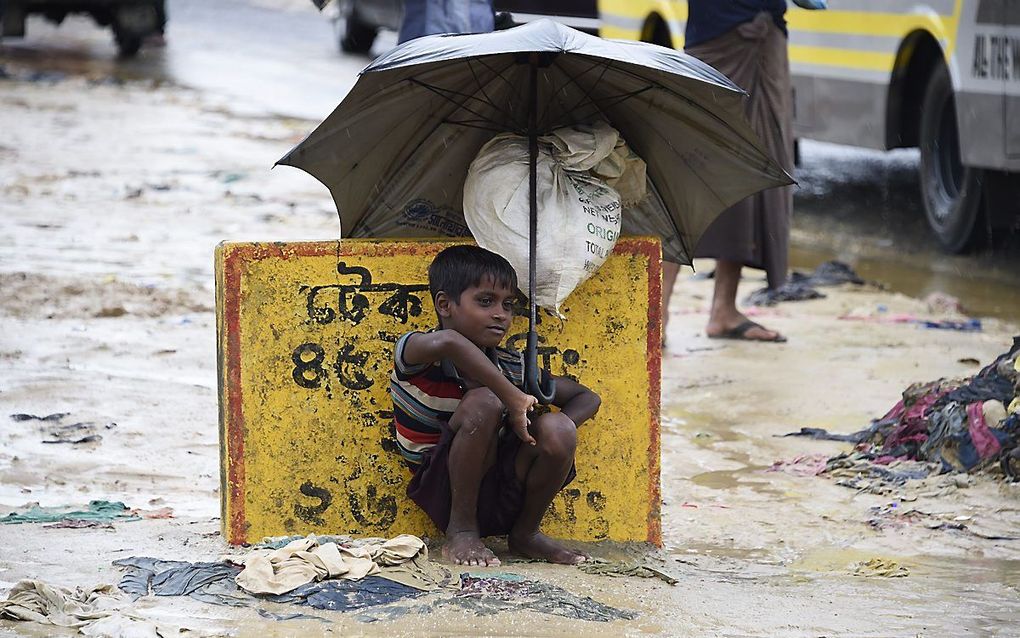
(708, 19)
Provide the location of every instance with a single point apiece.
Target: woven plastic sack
(579, 212)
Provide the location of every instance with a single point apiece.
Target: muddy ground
(112, 197)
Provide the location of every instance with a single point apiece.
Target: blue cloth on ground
(348, 595)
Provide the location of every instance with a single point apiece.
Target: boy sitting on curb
(482, 467)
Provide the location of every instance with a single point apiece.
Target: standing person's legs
(670, 271)
(724, 320)
(542, 470)
(475, 424)
(754, 231)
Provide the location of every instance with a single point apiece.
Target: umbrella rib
(441, 92)
(587, 94)
(481, 89)
(573, 79)
(613, 100)
(692, 103)
(499, 74)
(479, 124)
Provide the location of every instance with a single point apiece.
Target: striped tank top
(424, 397)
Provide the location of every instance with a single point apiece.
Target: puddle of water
(759, 554)
(733, 479)
(703, 429)
(977, 570)
(982, 291)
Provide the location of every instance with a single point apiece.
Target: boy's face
(482, 314)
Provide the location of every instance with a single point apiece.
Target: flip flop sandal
(739, 333)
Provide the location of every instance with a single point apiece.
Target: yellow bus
(941, 75)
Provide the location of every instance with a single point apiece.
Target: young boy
(482, 466)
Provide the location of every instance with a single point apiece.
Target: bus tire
(951, 192)
(355, 35)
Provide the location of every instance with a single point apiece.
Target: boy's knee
(557, 436)
(480, 408)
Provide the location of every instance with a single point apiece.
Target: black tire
(661, 36)
(355, 35)
(951, 192)
(127, 45)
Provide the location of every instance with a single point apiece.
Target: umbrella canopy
(395, 152)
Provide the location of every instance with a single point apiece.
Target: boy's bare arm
(576, 401)
(471, 362)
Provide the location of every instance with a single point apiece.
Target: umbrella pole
(532, 371)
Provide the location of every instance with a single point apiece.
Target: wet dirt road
(113, 195)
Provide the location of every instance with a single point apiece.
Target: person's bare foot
(741, 328)
(465, 548)
(540, 546)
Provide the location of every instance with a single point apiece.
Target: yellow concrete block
(305, 345)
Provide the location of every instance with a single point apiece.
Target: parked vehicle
(359, 21)
(131, 20)
(941, 75)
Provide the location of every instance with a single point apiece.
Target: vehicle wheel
(127, 44)
(355, 35)
(951, 191)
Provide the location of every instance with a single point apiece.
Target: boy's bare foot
(540, 546)
(465, 548)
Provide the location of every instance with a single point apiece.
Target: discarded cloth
(859, 471)
(789, 291)
(990, 525)
(97, 511)
(962, 425)
(273, 616)
(305, 560)
(95, 611)
(824, 435)
(804, 465)
(346, 595)
(73, 433)
(56, 416)
(57, 432)
(208, 582)
(276, 542)
(959, 325)
(603, 567)
(73, 524)
(829, 273)
(800, 286)
(880, 567)
(489, 595)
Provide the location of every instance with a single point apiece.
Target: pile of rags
(402, 559)
(94, 611)
(953, 425)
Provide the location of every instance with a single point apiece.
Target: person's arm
(576, 401)
(471, 362)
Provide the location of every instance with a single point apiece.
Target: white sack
(579, 214)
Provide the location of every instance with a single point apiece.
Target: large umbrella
(395, 152)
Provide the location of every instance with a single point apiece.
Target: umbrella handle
(533, 373)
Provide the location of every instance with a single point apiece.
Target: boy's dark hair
(457, 268)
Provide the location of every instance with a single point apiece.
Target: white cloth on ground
(95, 611)
(302, 561)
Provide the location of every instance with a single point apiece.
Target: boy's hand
(517, 415)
